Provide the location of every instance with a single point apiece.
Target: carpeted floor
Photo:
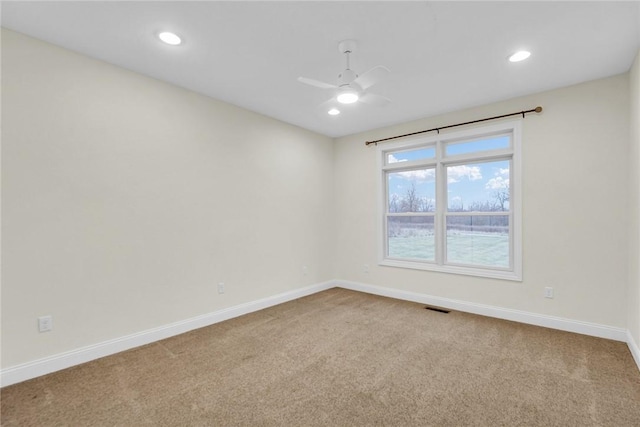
(343, 358)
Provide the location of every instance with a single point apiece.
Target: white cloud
(457, 173)
(393, 159)
(418, 175)
(497, 183)
(503, 172)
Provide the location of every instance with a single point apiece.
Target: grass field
(487, 249)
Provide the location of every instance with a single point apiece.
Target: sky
(466, 183)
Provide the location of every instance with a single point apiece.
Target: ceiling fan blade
(373, 99)
(371, 77)
(316, 83)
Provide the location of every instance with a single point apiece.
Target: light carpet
(344, 358)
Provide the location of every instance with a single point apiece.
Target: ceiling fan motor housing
(346, 77)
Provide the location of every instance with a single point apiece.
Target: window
(451, 202)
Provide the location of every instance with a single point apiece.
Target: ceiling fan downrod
(348, 75)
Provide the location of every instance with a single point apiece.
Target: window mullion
(441, 205)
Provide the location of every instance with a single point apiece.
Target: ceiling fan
(352, 87)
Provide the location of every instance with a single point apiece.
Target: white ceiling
(443, 56)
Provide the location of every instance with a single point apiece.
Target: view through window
(448, 203)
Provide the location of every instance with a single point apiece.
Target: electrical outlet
(548, 292)
(305, 270)
(45, 323)
(365, 268)
(221, 288)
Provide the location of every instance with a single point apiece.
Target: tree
(426, 205)
(411, 200)
(394, 203)
(501, 197)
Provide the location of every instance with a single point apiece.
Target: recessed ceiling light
(170, 38)
(519, 56)
(333, 112)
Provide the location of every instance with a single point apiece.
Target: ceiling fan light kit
(347, 96)
(352, 87)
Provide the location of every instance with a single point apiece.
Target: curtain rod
(438, 129)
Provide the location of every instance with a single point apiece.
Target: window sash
(509, 217)
(387, 250)
(445, 178)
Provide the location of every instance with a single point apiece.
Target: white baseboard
(36, 368)
(633, 347)
(47, 365)
(576, 326)
(585, 328)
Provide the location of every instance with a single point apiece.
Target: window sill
(467, 271)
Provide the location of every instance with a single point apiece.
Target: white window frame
(514, 272)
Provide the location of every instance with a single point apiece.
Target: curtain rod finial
(538, 109)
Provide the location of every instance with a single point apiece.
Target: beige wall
(126, 200)
(634, 203)
(575, 172)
